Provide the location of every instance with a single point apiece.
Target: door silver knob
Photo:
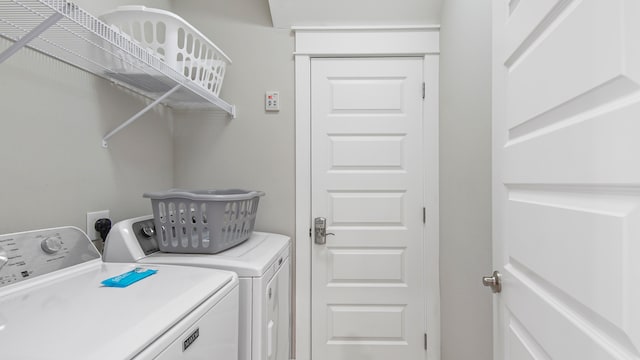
(494, 281)
(320, 225)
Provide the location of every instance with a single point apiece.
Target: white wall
(465, 179)
(256, 150)
(287, 13)
(53, 169)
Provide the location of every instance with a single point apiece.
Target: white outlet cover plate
(272, 101)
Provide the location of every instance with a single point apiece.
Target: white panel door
(567, 179)
(368, 301)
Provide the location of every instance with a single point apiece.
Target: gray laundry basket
(203, 221)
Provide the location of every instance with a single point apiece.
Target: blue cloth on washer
(128, 278)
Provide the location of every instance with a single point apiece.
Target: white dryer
(262, 265)
(53, 305)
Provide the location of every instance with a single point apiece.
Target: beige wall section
(255, 150)
(465, 173)
(53, 169)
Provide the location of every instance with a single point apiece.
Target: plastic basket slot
(232, 231)
(195, 242)
(205, 237)
(197, 47)
(194, 215)
(161, 32)
(234, 234)
(162, 212)
(149, 37)
(194, 72)
(172, 213)
(227, 213)
(204, 213)
(189, 47)
(233, 214)
(174, 237)
(242, 211)
(183, 237)
(182, 211)
(164, 236)
(243, 231)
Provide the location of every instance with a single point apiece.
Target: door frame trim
(311, 42)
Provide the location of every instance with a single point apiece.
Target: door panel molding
(355, 42)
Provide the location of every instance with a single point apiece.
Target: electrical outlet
(92, 217)
(272, 101)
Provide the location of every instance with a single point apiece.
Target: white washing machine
(262, 264)
(53, 305)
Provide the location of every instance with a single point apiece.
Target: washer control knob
(4, 257)
(51, 245)
(148, 230)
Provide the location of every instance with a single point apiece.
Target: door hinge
(425, 341)
(424, 90)
(424, 215)
(309, 232)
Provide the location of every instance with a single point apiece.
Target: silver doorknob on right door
(494, 281)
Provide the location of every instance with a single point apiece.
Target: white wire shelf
(64, 31)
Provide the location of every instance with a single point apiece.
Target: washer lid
(74, 317)
(252, 258)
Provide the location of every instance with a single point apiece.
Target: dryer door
(277, 296)
(209, 332)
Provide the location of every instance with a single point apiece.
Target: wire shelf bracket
(23, 41)
(137, 116)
